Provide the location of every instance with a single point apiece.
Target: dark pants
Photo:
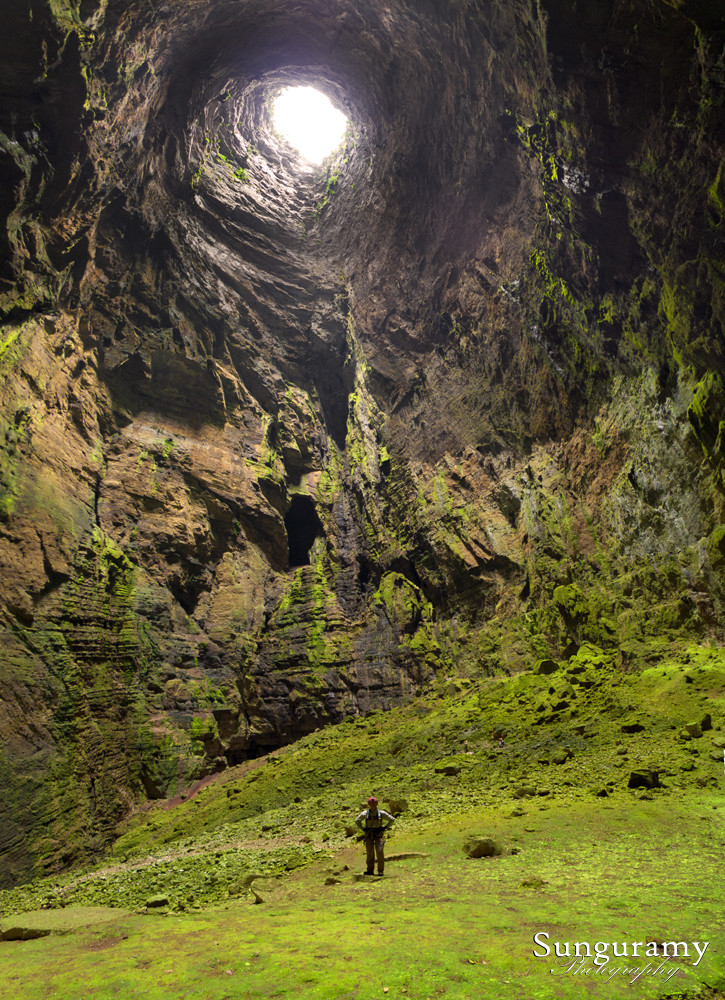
(374, 846)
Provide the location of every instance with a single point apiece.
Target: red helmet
(372, 801)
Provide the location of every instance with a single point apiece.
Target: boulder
(559, 757)
(694, 729)
(706, 722)
(534, 882)
(546, 666)
(481, 847)
(572, 604)
(632, 726)
(524, 792)
(644, 778)
(23, 933)
(154, 902)
(449, 769)
(397, 806)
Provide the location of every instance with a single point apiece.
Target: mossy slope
(585, 857)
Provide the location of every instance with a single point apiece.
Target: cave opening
(308, 120)
(303, 528)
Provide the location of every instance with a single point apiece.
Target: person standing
(374, 823)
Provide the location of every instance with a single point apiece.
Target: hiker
(374, 823)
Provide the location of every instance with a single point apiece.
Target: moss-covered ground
(585, 858)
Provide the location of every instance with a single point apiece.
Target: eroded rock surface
(283, 444)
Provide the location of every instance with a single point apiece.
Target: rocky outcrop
(280, 444)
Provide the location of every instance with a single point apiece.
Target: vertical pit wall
(481, 349)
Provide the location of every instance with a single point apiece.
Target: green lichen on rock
(716, 197)
(716, 547)
(706, 414)
(403, 602)
(572, 604)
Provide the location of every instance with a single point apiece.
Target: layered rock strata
(282, 444)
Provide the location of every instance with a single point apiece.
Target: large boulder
(154, 902)
(397, 806)
(477, 846)
(524, 792)
(644, 778)
(632, 726)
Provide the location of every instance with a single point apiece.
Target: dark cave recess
(303, 528)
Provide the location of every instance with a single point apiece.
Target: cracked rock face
(283, 443)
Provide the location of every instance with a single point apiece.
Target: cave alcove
(303, 528)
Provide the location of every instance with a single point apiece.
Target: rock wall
(279, 444)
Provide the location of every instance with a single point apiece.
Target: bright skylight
(308, 121)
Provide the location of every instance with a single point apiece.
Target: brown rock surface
(281, 444)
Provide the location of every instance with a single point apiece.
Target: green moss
(716, 547)
(8, 481)
(572, 603)
(167, 448)
(676, 312)
(706, 415)
(306, 624)
(204, 728)
(7, 342)
(716, 195)
(554, 285)
(330, 189)
(403, 601)
(114, 567)
(556, 144)
(67, 15)
(207, 696)
(591, 657)
(15, 437)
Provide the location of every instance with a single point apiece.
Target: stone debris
(644, 778)
(481, 847)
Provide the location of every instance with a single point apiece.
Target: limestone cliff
(281, 444)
